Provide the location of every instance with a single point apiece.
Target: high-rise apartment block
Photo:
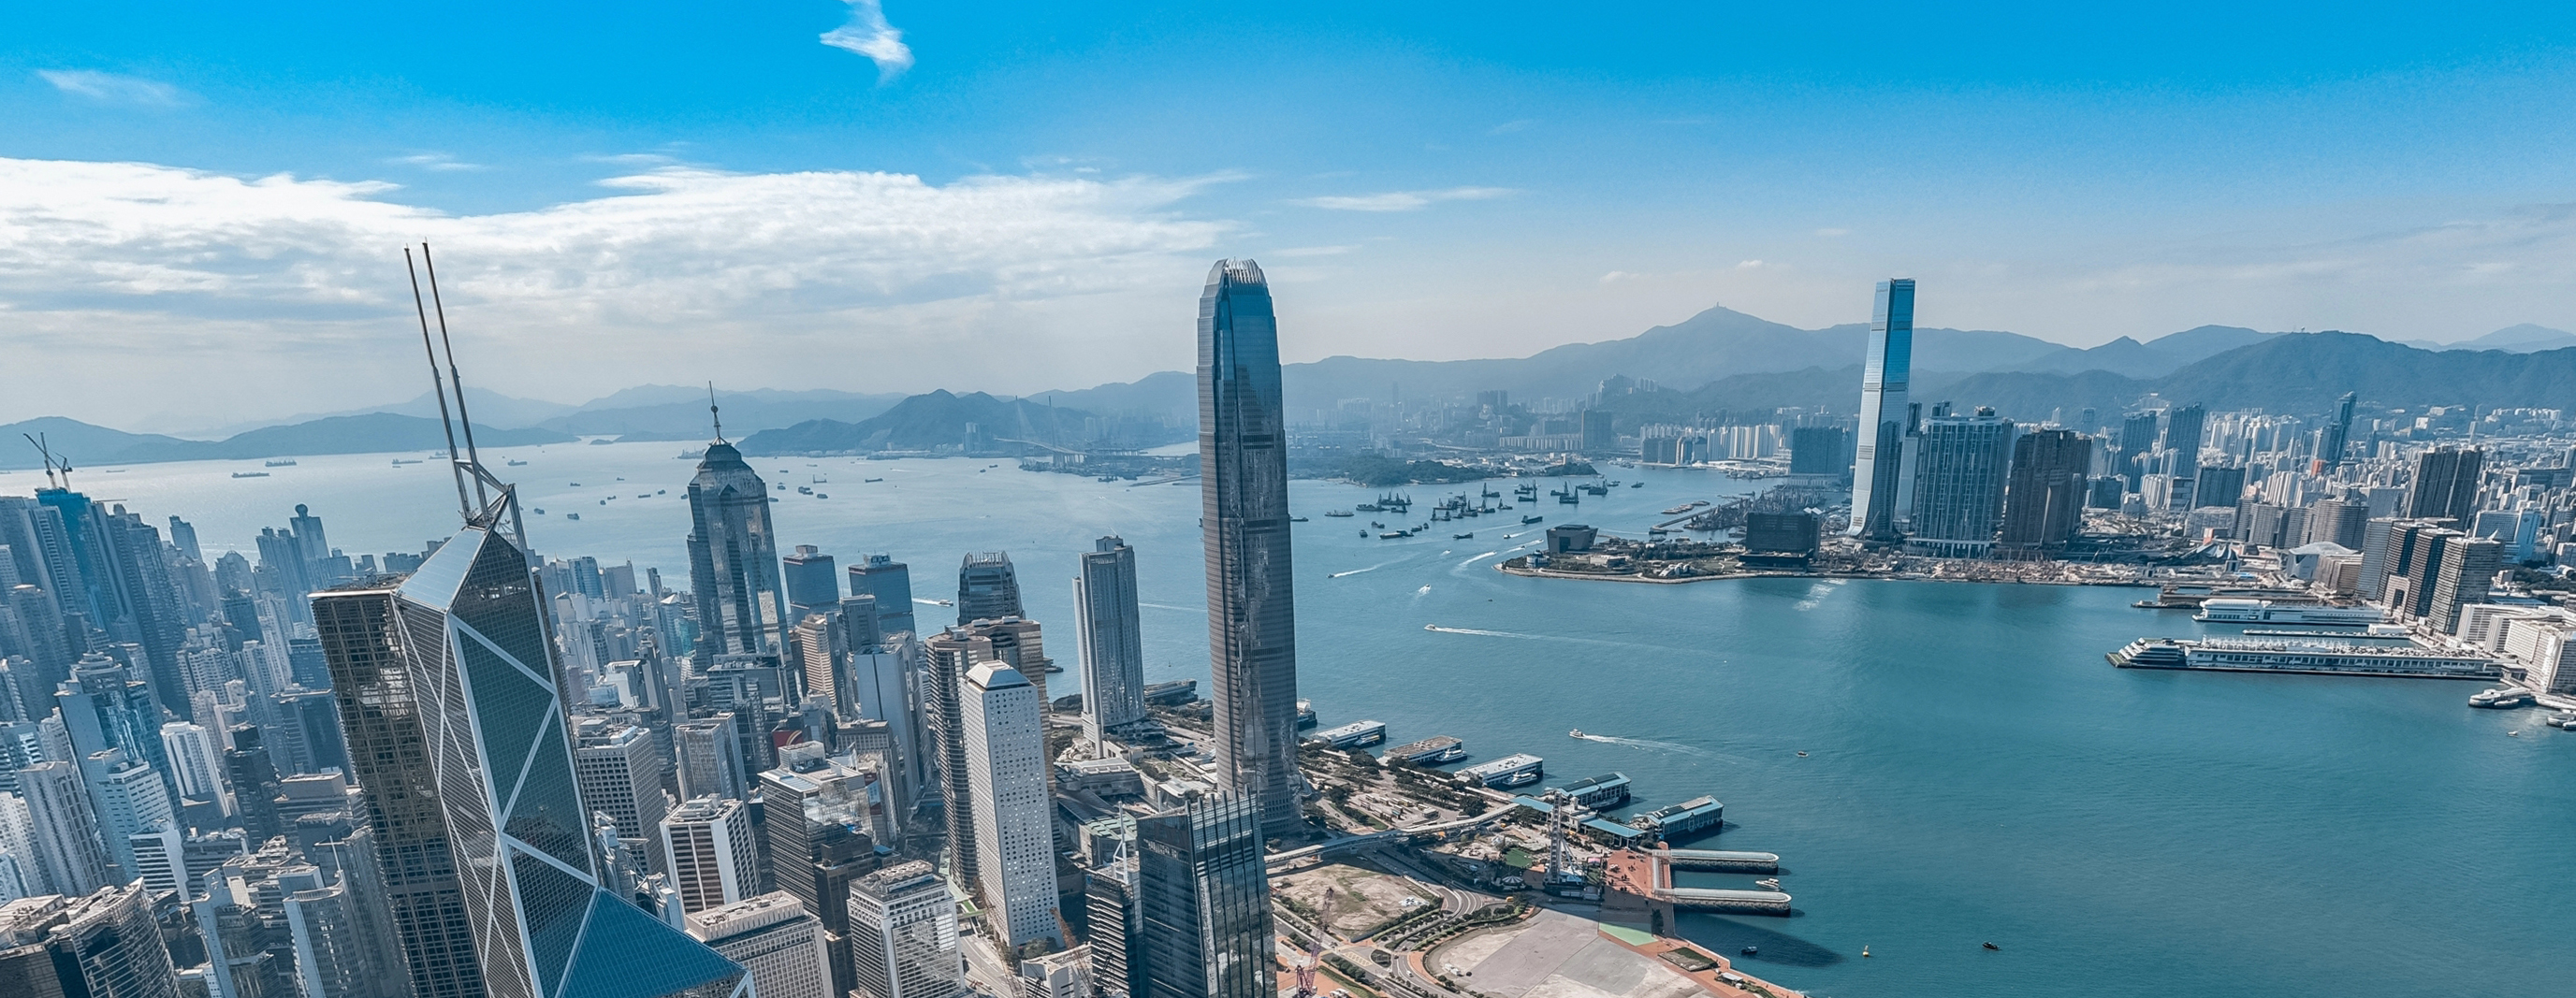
(1243, 500)
(2446, 485)
(1959, 480)
(2044, 494)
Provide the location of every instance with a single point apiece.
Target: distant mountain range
(87, 446)
(938, 419)
(1719, 359)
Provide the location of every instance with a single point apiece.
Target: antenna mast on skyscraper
(711, 412)
(462, 419)
(438, 386)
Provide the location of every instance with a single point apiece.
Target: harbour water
(1974, 771)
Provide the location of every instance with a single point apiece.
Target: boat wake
(1183, 609)
(1357, 571)
(1816, 594)
(1652, 745)
(1481, 632)
(1478, 558)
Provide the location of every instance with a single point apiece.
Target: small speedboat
(1992, 946)
(1750, 950)
(1576, 733)
(1768, 883)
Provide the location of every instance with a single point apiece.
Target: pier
(1641, 881)
(2318, 658)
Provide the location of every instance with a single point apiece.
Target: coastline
(1541, 573)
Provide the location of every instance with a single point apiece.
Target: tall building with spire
(1243, 501)
(733, 558)
(448, 688)
(988, 588)
(1886, 369)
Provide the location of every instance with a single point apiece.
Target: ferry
(283, 462)
(514, 462)
(572, 516)
(876, 479)
(2500, 698)
(251, 474)
(1338, 512)
(1297, 519)
(1527, 520)
(804, 490)
(1469, 536)
(403, 461)
(1369, 507)
(1305, 713)
(1636, 485)
(2261, 611)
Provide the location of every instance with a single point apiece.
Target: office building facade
(1006, 772)
(988, 588)
(1252, 619)
(1885, 412)
(733, 559)
(1959, 480)
(714, 860)
(2044, 494)
(776, 941)
(903, 935)
(1111, 638)
(1204, 901)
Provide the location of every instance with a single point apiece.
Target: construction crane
(1563, 814)
(1305, 971)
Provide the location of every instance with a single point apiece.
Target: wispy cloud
(439, 161)
(116, 88)
(1508, 127)
(869, 35)
(1405, 200)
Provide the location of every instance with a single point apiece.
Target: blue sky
(1014, 197)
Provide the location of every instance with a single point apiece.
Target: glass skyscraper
(447, 690)
(1205, 902)
(1110, 637)
(733, 560)
(1878, 458)
(1252, 618)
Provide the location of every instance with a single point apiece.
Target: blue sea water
(1975, 771)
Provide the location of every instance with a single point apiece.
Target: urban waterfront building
(988, 588)
(813, 582)
(903, 935)
(1111, 639)
(1959, 480)
(775, 940)
(890, 581)
(1006, 772)
(2468, 570)
(1243, 490)
(469, 779)
(733, 559)
(714, 860)
(1204, 900)
(2044, 494)
(1885, 413)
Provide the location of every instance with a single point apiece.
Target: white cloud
(438, 161)
(116, 88)
(829, 278)
(1617, 276)
(869, 35)
(1748, 264)
(1405, 200)
(1509, 127)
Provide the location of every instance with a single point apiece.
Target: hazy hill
(922, 422)
(685, 418)
(89, 446)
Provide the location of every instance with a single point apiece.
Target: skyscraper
(620, 770)
(775, 939)
(2446, 485)
(1205, 901)
(1006, 768)
(813, 583)
(817, 818)
(1886, 370)
(890, 581)
(714, 858)
(71, 852)
(733, 559)
(2044, 500)
(1111, 638)
(903, 935)
(709, 757)
(2337, 434)
(2468, 571)
(469, 778)
(103, 945)
(2182, 440)
(1959, 484)
(2137, 440)
(988, 588)
(1243, 504)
